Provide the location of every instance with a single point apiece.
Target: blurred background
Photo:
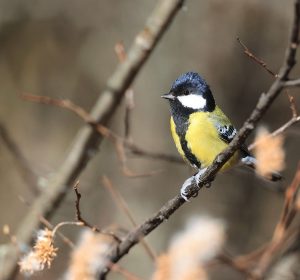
(65, 49)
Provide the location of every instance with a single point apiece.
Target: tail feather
(251, 161)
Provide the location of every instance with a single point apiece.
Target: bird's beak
(169, 96)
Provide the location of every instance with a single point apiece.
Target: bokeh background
(65, 49)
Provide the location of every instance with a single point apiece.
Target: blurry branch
(129, 107)
(125, 273)
(292, 83)
(294, 119)
(85, 144)
(257, 263)
(64, 238)
(48, 225)
(264, 102)
(295, 116)
(116, 268)
(288, 267)
(83, 221)
(28, 175)
(121, 203)
(129, 95)
(281, 234)
(117, 140)
(255, 58)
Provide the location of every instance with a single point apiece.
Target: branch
(121, 203)
(257, 263)
(295, 116)
(129, 95)
(255, 58)
(118, 142)
(264, 102)
(87, 140)
(85, 222)
(23, 166)
(294, 119)
(292, 83)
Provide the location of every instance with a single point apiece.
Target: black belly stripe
(181, 123)
(188, 154)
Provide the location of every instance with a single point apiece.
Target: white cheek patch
(193, 101)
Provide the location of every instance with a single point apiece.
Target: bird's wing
(226, 132)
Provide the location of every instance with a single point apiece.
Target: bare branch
(129, 100)
(117, 141)
(83, 221)
(256, 263)
(22, 164)
(47, 224)
(121, 203)
(125, 273)
(262, 106)
(293, 106)
(292, 83)
(255, 58)
(64, 238)
(295, 119)
(87, 140)
(281, 235)
(101, 129)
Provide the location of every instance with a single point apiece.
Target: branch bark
(264, 102)
(85, 144)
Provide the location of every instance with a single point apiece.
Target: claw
(184, 189)
(194, 180)
(207, 185)
(195, 194)
(199, 175)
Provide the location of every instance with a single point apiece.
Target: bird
(201, 130)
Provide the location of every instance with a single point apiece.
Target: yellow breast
(202, 139)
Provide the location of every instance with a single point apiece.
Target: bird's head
(191, 92)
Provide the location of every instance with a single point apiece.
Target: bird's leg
(185, 187)
(194, 180)
(198, 176)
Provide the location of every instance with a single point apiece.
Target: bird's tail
(251, 162)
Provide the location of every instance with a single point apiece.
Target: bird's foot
(185, 187)
(194, 180)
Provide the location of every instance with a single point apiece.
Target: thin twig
(289, 208)
(125, 273)
(129, 95)
(256, 263)
(118, 142)
(22, 165)
(66, 223)
(85, 222)
(78, 212)
(294, 119)
(121, 203)
(128, 110)
(64, 238)
(47, 223)
(255, 58)
(293, 106)
(292, 83)
(262, 106)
